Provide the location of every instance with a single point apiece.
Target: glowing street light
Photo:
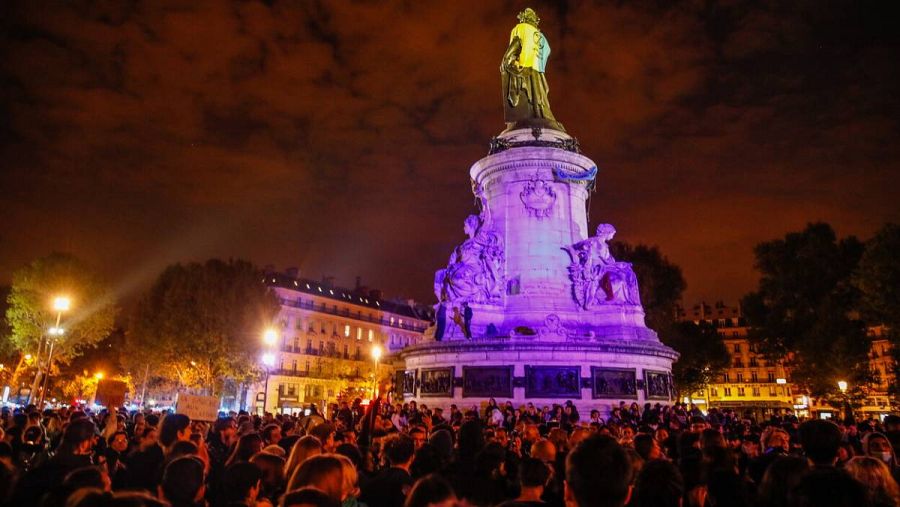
(56, 331)
(270, 337)
(98, 375)
(61, 303)
(268, 359)
(842, 385)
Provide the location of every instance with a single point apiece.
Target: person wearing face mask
(877, 445)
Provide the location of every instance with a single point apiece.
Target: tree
(878, 279)
(201, 324)
(30, 313)
(703, 352)
(805, 308)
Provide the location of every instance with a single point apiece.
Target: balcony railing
(324, 308)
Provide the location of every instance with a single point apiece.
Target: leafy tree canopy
(30, 313)
(200, 324)
(703, 352)
(805, 308)
(878, 277)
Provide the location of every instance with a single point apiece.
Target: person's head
(431, 491)
(627, 433)
(350, 477)
(271, 467)
(878, 446)
(248, 445)
(647, 447)
(304, 448)
(418, 436)
(399, 450)
(182, 481)
(78, 438)
(698, 424)
(241, 482)
(598, 473)
(877, 479)
(174, 427)
(88, 477)
(118, 441)
(325, 433)
(226, 429)
(775, 438)
(544, 450)
(780, 478)
(820, 440)
(533, 474)
(93, 497)
(827, 487)
(308, 497)
(659, 484)
(324, 471)
(271, 434)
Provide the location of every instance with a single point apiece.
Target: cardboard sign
(111, 393)
(198, 408)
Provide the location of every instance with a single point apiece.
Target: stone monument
(531, 306)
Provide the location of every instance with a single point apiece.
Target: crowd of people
(411, 455)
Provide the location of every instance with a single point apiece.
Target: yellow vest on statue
(535, 48)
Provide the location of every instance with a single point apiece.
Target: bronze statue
(525, 102)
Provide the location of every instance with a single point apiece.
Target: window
(292, 389)
(296, 342)
(359, 333)
(756, 391)
(737, 348)
(713, 391)
(771, 376)
(308, 346)
(299, 324)
(727, 391)
(754, 377)
(753, 362)
(294, 365)
(371, 334)
(725, 377)
(347, 330)
(740, 391)
(321, 346)
(740, 377)
(307, 365)
(346, 350)
(772, 391)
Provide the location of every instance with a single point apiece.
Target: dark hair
(659, 484)
(182, 480)
(643, 444)
(85, 477)
(820, 440)
(222, 424)
(267, 431)
(352, 452)
(533, 473)
(93, 497)
(598, 471)
(308, 496)
(76, 433)
(246, 447)
(239, 479)
(399, 449)
(827, 487)
(183, 448)
(112, 437)
(726, 487)
(171, 426)
(429, 490)
(780, 478)
(321, 431)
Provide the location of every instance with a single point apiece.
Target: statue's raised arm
(525, 90)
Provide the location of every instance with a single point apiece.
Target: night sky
(337, 136)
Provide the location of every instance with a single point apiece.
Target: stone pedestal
(532, 308)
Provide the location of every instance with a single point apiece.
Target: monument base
(593, 374)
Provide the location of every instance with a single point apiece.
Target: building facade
(753, 384)
(750, 384)
(325, 341)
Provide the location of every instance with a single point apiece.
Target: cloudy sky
(337, 136)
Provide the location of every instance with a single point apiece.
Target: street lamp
(268, 360)
(60, 304)
(376, 356)
(270, 337)
(842, 385)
